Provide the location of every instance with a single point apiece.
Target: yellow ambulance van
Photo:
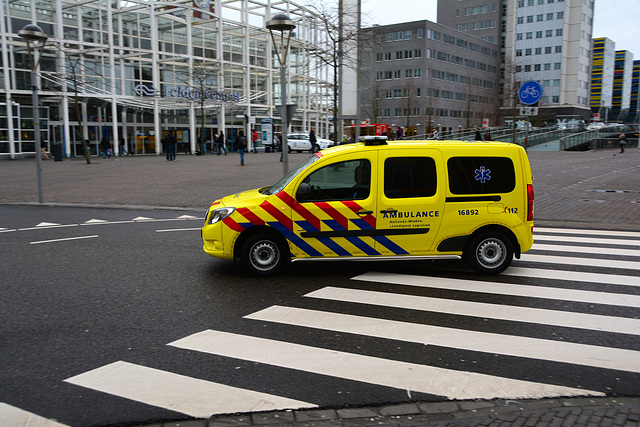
(383, 200)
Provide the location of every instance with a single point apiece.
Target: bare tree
(78, 72)
(201, 78)
(340, 46)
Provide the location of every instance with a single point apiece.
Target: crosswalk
(573, 280)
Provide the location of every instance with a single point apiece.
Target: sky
(618, 20)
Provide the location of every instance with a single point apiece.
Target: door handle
(364, 213)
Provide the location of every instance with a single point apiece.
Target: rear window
(409, 177)
(481, 175)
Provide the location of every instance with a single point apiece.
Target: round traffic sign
(530, 92)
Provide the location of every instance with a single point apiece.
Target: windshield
(285, 180)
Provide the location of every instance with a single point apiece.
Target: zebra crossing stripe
(491, 343)
(588, 240)
(402, 375)
(545, 230)
(512, 289)
(179, 393)
(574, 276)
(585, 249)
(591, 262)
(483, 310)
(12, 416)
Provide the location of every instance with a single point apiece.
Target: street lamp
(36, 40)
(282, 23)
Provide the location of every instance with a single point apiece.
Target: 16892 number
(468, 212)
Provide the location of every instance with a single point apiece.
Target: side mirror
(304, 191)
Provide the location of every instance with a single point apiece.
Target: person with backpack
(242, 145)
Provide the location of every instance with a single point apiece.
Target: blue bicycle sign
(530, 92)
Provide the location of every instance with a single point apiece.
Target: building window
(417, 53)
(558, 49)
(519, 36)
(547, 50)
(519, 52)
(560, 15)
(549, 33)
(538, 51)
(538, 34)
(520, 19)
(547, 66)
(527, 52)
(559, 32)
(549, 16)
(536, 67)
(540, 17)
(557, 66)
(407, 35)
(420, 33)
(397, 35)
(529, 19)
(527, 68)
(398, 54)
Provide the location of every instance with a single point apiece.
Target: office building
(602, 68)
(548, 41)
(422, 76)
(622, 85)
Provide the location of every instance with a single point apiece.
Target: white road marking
(591, 262)
(179, 229)
(402, 375)
(588, 240)
(64, 240)
(10, 416)
(586, 250)
(539, 316)
(624, 300)
(192, 396)
(574, 276)
(43, 227)
(510, 345)
(585, 231)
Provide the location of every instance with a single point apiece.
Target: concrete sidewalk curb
(606, 411)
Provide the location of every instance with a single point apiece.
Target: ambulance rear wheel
(264, 254)
(490, 253)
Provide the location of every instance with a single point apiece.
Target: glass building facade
(131, 70)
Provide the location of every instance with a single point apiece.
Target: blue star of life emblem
(483, 174)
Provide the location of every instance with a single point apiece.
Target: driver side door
(336, 217)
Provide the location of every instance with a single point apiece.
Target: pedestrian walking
(105, 146)
(313, 140)
(123, 148)
(478, 135)
(170, 144)
(623, 141)
(254, 141)
(242, 145)
(220, 143)
(43, 149)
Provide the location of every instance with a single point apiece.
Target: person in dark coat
(478, 135)
(313, 140)
(170, 144)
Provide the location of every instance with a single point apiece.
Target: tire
(490, 253)
(264, 254)
(289, 150)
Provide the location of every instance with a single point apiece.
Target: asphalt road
(87, 287)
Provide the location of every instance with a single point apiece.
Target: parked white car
(299, 142)
(596, 125)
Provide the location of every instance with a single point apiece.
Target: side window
(349, 180)
(409, 177)
(481, 175)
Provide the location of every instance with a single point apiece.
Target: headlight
(219, 215)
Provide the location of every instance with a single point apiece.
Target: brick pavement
(598, 189)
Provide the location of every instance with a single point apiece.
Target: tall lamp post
(283, 24)
(36, 40)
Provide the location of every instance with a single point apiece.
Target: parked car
(596, 125)
(299, 142)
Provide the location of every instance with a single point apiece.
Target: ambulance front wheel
(490, 253)
(264, 254)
